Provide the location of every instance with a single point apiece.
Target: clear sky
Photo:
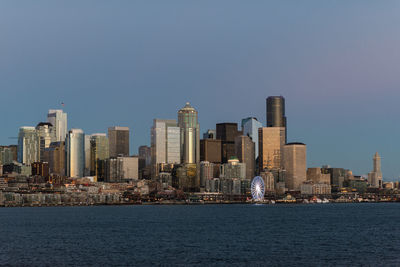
(128, 62)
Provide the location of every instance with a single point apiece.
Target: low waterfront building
(213, 185)
(313, 188)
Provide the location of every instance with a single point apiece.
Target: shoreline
(179, 203)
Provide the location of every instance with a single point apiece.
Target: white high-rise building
(75, 153)
(28, 145)
(58, 119)
(165, 142)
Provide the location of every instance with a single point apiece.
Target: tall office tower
(190, 134)
(118, 138)
(245, 149)
(295, 164)
(55, 155)
(87, 155)
(46, 135)
(270, 141)
(276, 113)
(250, 128)
(28, 145)
(58, 119)
(99, 151)
(75, 153)
(210, 150)
(165, 142)
(145, 155)
(375, 177)
(227, 132)
(145, 162)
(210, 134)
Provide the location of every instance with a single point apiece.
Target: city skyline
(136, 153)
(338, 76)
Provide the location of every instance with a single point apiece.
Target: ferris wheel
(257, 188)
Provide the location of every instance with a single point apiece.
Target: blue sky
(127, 62)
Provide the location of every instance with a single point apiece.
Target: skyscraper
(28, 145)
(227, 132)
(58, 120)
(55, 155)
(145, 155)
(165, 142)
(75, 153)
(270, 141)
(245, 148)
(295, 164)
(250, 128)
(87, 155)
(210, 150)
(46, 135)
(276, 113)
(375, 177)
(190, 134)
(99, 152)
(118, 138)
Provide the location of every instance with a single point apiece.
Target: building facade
(99, 152)
(118, 138)
(46, 135)
(28, 145)
(375, 177)
(245, 150)
(317, 175)
(295, 164)
(75, 153)
(276, 111)
(227, 132)
(250, 128)
(165, 142)
(270, 141)
(189, 135)
(210, 150)
(233, 169)
(121, 169)
(55, 156)
(59, 121)
(206, 172)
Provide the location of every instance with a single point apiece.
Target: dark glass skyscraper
(276, 111)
